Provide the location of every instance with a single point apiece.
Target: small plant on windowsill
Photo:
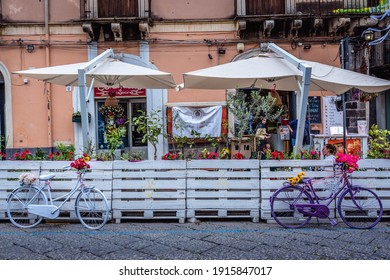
(76, 117)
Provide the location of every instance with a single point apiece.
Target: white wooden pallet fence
(223, 189)
(192, 189)
(374, 174)
(149, 190)
(9, 176)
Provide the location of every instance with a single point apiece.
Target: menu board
(314, 109)
(331, 117)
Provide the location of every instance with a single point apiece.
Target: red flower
(277, 155)
(238, 155)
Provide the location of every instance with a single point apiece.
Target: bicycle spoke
(360, 209)
(92, 208)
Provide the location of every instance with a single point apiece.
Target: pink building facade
(169, 35)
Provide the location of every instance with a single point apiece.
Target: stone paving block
(166, 253)
(361, 238)
(69, 253)
(278, 253)
(195, 246)
(307, 238)
(128, 254)
(40, 245)
(231, 242)
(20, 253)
(227, 253)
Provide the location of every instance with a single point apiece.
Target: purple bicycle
(293, 206)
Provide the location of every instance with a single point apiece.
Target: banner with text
(206, 120)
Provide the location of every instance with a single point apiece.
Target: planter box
(77, 119)
(194, 189)
(223, 189)
(9, 176)
(149, 190)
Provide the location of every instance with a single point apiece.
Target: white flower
(27, 178)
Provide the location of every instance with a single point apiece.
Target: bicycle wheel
(92, 208)
(360, 208)
(283, 208)
(18, 201)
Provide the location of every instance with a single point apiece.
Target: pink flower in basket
(349, 161)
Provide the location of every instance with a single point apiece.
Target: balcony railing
(380, 55)
(315, 7)
(100, 9)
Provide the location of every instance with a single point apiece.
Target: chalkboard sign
(314, 109)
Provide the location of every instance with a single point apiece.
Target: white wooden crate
(149, 190)
(9, 176)
(374, 174)
(99, 176)
(274, 173)
(223, 189)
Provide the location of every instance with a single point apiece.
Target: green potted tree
(115, 139)
(150, 126)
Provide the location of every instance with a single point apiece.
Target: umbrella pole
(82, 80)
(304, 96)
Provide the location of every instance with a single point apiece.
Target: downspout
(48, 86)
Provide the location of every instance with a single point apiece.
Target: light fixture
(221, 51)
(306, 46)
(240, 47)
(30, 48)
(368, 35)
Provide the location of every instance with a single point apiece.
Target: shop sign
(119, 92)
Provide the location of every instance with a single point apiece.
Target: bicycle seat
(46, 177)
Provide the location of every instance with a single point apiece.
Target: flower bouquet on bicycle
(30, 203)
(294, 204)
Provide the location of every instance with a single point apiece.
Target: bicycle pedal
(333, 222)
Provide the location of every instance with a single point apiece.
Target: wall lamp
(306, 46)
(30, 48)
(368, 36)
(240, 47)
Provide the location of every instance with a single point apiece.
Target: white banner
(206, 120)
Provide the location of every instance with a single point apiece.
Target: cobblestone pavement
(206, 240)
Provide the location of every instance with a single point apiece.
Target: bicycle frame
(308, 186)
(67, 196)
(79, 184)
(318, 209)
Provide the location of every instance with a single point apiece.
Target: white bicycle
(28, 204)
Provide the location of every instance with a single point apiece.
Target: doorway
(133, 140)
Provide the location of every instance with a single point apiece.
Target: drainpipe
(48, 85)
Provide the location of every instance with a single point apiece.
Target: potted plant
(76, 117)
(115, 139)
(133, 156)
(150, 126)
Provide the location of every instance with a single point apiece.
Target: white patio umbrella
(266, 70)
(286, 72)
(109, 72)
(102, 71)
